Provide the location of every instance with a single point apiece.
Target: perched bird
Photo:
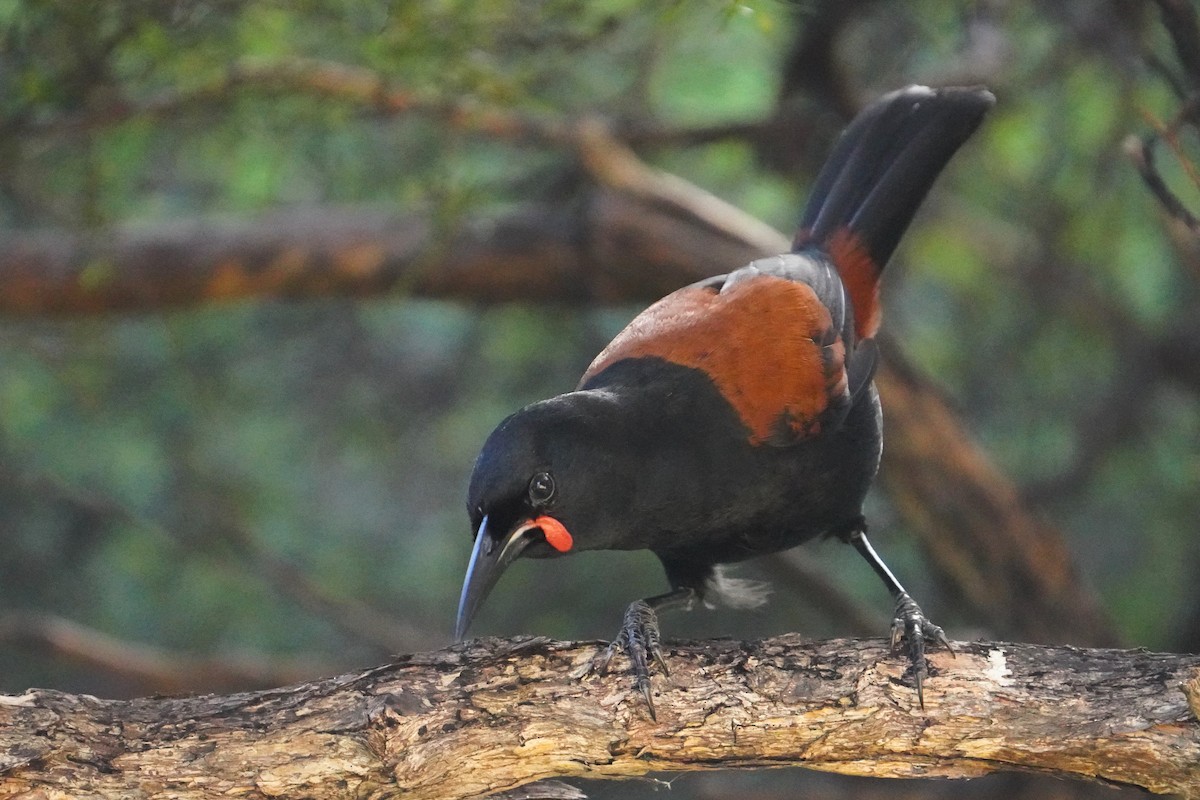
(737, 416)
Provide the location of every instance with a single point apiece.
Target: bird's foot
(911, 624)
(639, 638)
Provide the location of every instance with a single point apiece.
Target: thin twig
(1141, 152)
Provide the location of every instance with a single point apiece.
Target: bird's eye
(541, 488)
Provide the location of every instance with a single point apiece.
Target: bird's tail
(875, 179)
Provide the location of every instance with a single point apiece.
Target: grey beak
(489, 557)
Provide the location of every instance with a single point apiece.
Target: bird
(737, 416)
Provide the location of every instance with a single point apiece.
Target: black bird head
(540, 488)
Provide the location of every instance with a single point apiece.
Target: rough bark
(495, 714)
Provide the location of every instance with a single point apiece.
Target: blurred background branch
(145, 669)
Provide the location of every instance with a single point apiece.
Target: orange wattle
(555, 532)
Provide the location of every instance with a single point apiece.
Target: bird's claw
(911, 624)
(639, 638)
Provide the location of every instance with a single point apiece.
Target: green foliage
(694, 83)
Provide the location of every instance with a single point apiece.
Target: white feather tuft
(737, 593)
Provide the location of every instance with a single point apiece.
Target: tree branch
(1140, 151)
(331, 80)
(374, 94)
(496, 714)
(1180, 21)
(614, 246)
(288, 254)
(149, 668)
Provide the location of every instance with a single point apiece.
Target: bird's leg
(639, 638)
(909, 621)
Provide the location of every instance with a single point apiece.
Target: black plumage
(737, 416)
